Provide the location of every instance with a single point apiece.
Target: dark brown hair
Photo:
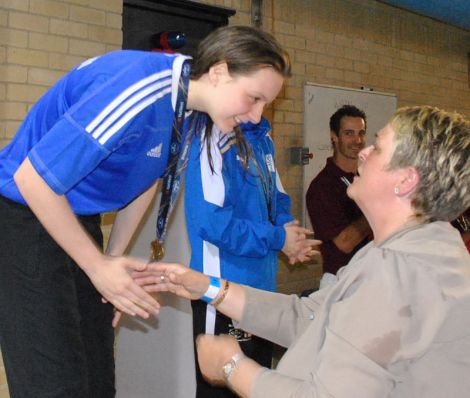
(245, 49)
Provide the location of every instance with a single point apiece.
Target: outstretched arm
(108, 274)
(190, 284)
(314, 380)
(212, 351)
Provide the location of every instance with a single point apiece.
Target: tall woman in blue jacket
(97, 141)
(238, 218)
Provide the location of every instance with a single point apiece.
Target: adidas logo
(155, 152)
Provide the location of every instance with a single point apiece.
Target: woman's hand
(296, 246)
(110, 275)
(112, 279)
(213, 352)
(174, 278)
(189, 284)
(168, 277)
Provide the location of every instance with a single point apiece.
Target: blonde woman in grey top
(397, 321)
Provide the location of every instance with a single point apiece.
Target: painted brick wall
(40, 40)
(349, 43)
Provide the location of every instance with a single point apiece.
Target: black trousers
(55, 334)
(256, 348)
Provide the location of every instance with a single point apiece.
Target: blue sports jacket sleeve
(225, 207)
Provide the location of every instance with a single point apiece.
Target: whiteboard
(320, 102)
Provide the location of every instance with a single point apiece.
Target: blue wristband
(212, 291)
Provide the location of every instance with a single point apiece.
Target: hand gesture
(296, 246)
(174, 278)
(112, 279)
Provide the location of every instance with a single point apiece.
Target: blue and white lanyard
(177, 161)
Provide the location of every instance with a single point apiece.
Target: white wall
(154, 358)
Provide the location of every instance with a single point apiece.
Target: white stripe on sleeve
(124, 95)
(128, 104)
(130, 114)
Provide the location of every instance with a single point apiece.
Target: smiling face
(241, 98)
(375, 184)
(350, 139)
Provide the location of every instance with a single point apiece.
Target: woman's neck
(198, 90)
(387, 222)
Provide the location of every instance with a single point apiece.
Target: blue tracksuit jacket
(227, 214)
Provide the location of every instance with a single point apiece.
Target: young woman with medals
(98, 141)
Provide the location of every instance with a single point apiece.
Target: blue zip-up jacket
(229, 227)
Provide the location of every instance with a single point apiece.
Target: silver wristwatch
(230, 366)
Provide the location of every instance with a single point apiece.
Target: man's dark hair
(345, 110)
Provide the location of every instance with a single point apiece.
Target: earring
(396, 190)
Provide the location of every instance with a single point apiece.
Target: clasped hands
(297, 247)
(213, 351)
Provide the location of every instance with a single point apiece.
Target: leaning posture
(98, 141)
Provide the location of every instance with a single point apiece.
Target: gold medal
(157, 250)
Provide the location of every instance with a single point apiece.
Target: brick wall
(39, 41)
(355, 43)
(349, 43)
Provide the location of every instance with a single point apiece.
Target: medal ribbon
(177, 161)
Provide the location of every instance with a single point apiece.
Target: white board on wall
(320, 102)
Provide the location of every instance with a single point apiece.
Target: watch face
(227, 369)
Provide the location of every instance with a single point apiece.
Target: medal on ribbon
(157, 250)
(176, 164)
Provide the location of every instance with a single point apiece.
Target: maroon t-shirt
(330, 211)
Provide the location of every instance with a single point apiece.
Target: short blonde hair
(437, 144)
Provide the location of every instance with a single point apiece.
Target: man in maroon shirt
(336, 219)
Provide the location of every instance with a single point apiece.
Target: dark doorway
(143, 19)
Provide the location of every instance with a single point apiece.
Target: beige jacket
(396, 324)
